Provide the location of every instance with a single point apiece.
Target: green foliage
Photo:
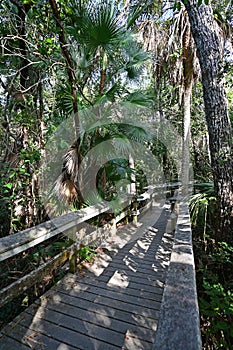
(99, 26)
(214, 264)
(202, 208)
(216, 297)
(86, 253)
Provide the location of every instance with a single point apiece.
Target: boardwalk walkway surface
(113, 303)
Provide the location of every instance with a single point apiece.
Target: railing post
(113, 227)
(135, 211)
(73, 260)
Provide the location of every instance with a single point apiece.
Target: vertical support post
(73, 260)
(135, 208)
(113, 228)
(174, 209)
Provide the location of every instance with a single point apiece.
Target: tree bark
(208, 40)
(188, 64)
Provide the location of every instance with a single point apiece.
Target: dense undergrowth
(214, 273)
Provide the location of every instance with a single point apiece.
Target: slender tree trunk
(208, 41)
(188, 55)
(132, 186)
(186, 136)
(24, 73)
(102, 81)
(103, 73)
(66, 54)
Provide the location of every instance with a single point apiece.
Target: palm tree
(169, 37)
(107, 51)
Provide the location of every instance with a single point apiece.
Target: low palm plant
(202, 206)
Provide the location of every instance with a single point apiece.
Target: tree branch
(65, 53)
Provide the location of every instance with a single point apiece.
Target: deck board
(113, 303)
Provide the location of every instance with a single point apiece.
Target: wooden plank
(103, 319)
(152, 256)
(80, 327)
(161, 256)
(142, 280)
(31, 339)
(88, 328)
(132, 342)
(120, 314)
(62, 333)
(115, 295)
(150, 268)
(135, 290)
(155, 279)
(133, 269)
(121, 216)
(7, 343)
(136, 284)
(134, 263)
(116, 304)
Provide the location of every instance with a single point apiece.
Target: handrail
(23, 240)
(68, 224)
(178, 326)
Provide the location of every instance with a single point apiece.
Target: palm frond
(136, 12)
(71, 163)
(140, 98)
(100, 27)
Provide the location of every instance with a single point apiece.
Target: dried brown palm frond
(65, 190)
(71, 163)
(66, 186)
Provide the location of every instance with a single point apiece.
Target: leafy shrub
(214, 272)
(216, 297)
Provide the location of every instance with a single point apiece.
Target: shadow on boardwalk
(113, 303)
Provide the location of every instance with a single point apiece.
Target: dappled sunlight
(112, 302)
(119, 279)
(132, 342)
(130, 263)
(100, 262)
(144, 321)
(56, 298)
(142, 245)
(63, 347)
(103, 318)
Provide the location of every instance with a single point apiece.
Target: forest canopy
(59, 59)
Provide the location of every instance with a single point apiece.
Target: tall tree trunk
(188, 63)
(24, 73)
(186, 136)
(208, 41)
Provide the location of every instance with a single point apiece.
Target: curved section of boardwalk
(111, 304)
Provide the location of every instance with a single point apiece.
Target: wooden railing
(69, 225)
(179, 325)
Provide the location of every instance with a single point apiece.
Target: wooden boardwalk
(113, 303)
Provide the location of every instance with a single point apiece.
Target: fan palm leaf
(99, 26)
